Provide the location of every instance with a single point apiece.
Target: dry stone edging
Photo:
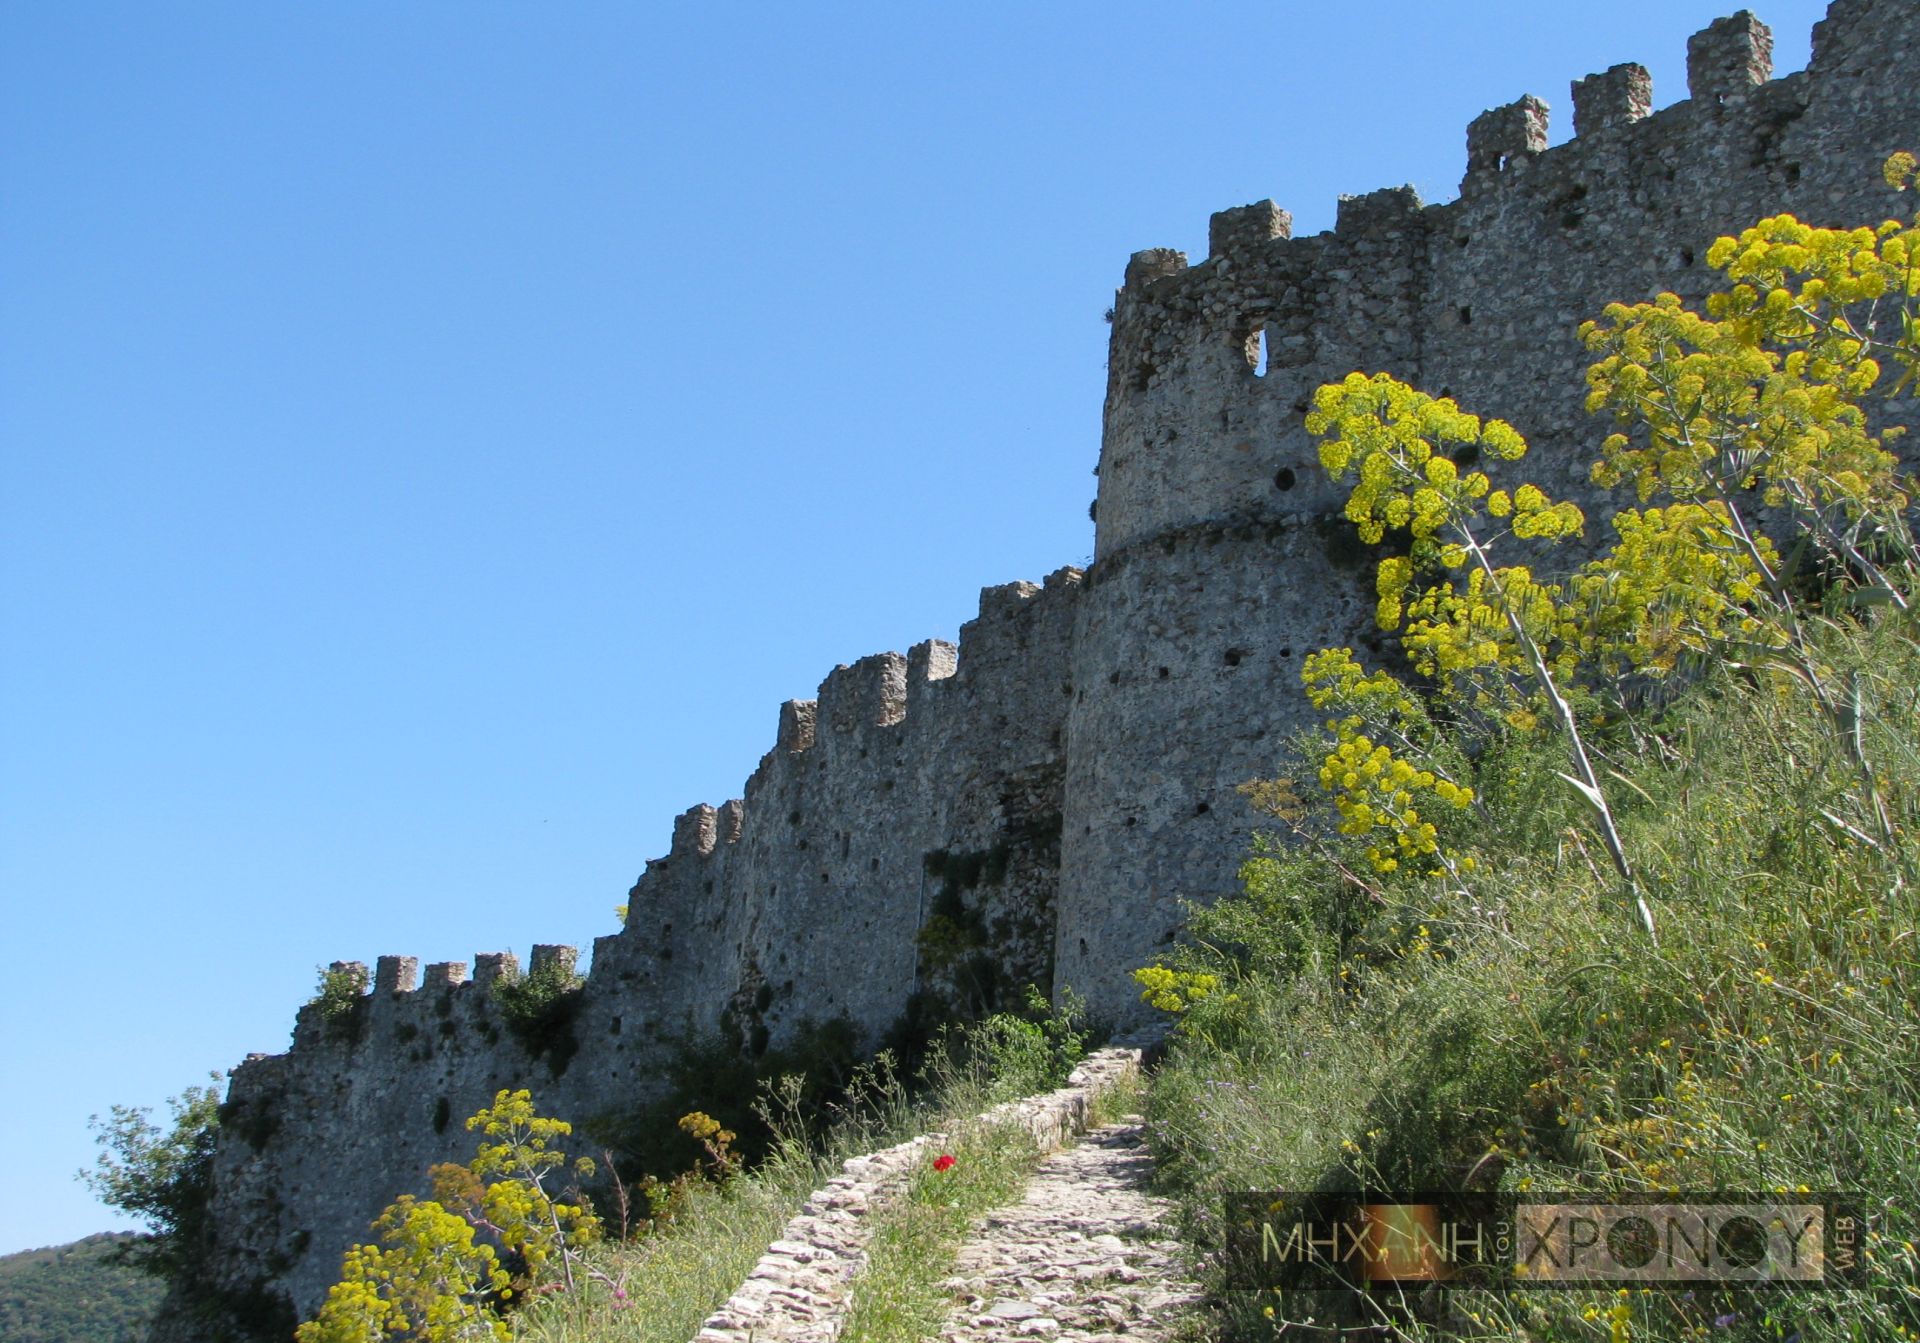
(798, 1291)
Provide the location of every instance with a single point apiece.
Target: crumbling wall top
(1246, 226)
(1618, 96)
(1728, 59)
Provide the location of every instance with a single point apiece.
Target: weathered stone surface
(1062, 780)
(1085, 1254)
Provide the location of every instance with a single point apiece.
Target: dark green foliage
(1030, 1051)
(723, 1077)
(341, 1001)
(540, 1010)
(255, 1121)
(163, 1177)
(84, 1292)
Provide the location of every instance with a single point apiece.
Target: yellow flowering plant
(1674, 585)
(1764, 392)
(518, 1206)
(1380, 731)
(430, 1279)
(1174, 991)
(1494, 639)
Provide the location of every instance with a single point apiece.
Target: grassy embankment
(1523, 1033)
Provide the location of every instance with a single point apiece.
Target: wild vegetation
(1611, 889)
(510, 1248)
(163, 1176)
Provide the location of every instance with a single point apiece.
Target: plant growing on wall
(338, 998)
(540, 1009)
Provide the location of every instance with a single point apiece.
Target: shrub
(339, 999)
(540, 1009)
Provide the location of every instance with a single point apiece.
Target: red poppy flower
(943, 1162)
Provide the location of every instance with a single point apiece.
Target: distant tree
(164, 1177)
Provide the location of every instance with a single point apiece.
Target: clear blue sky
(435, 437)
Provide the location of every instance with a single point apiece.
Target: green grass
(1525, 1035)
(1123, 1098)
(897, 1298)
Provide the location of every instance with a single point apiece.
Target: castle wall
(1479, 299)
(801, 901)
(1032, 806)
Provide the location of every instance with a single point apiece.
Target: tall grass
(1519, 1035)
(661, 1288)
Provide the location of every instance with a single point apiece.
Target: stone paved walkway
(797, 1293)
(1083, 1258)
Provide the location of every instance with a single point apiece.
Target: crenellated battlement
(1378, 213)
(797, 719)
(1727, 60)
(1501, 140)
(879, 693)
(1246, 227)
(1618, 96)
(553, 958)
(495, 967)
(399, 977)
(882, 692)
(695, 832)
(395, 974)
(870, 693)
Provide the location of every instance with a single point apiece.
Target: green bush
(340, 1000)
(540, 1009)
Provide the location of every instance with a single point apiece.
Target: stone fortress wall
(1054, 786)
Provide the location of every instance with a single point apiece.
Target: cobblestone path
(1083, 1257)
